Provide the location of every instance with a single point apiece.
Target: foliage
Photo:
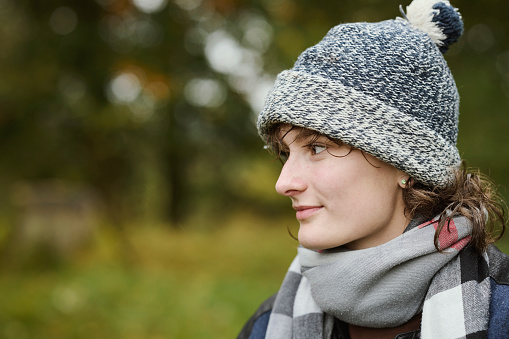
(152, 103)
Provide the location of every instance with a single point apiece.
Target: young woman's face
(340, 198)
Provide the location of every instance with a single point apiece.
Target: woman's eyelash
(317, 148)
(283, 156)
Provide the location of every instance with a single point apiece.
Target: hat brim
(343, 113)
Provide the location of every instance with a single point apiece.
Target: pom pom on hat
(438, 19)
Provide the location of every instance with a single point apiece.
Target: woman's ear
(403, 179)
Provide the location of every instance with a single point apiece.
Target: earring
(403, 182)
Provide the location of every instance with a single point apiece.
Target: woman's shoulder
(498, 265)
(256, 326)
(499, 305)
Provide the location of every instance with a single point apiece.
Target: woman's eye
(283, 157)
(318, 148)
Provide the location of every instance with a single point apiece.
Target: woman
(396, 237)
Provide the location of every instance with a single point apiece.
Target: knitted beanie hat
(383, 88)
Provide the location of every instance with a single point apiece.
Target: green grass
(162, 283)
(165, 284)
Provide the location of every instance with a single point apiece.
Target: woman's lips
(304, 212)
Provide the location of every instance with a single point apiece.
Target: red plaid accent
(448, 237)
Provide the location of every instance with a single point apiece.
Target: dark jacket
(256, 326)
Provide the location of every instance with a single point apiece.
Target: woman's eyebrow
(302, 136)
(282, 139)
(282, 142)
(306, 137)
(283, 145)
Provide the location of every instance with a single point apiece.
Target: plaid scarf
(385, 286)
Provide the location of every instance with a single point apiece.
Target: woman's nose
(291, 180)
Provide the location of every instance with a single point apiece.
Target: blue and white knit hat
(382, 87)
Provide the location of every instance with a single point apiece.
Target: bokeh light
(150, 6)
(223, 52)
(124, 87)
(188, 5)
(205, 93)
(480, 37)
(63, 20)
(257, 32)
(72, 87)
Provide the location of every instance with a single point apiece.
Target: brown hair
(470, 194)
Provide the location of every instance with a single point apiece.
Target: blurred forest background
(137, 200)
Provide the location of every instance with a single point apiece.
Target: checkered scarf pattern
(453, 297)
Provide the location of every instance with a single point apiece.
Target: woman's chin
(316, 243)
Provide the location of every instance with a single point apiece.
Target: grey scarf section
(384, 286)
